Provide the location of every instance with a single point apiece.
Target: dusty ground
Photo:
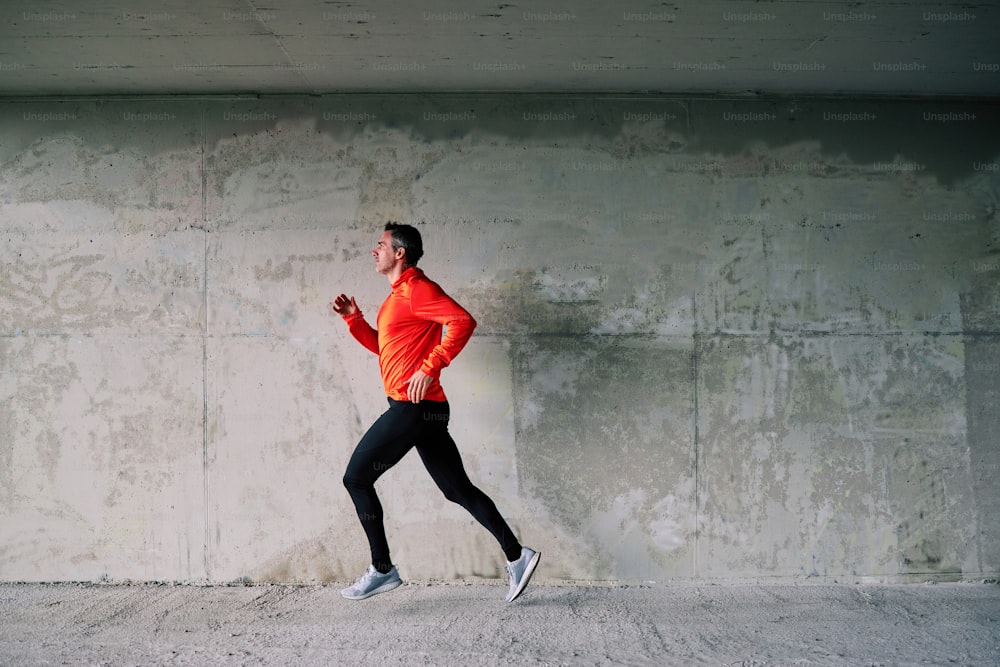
(469, 624)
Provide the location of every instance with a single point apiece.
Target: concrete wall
(719, 339)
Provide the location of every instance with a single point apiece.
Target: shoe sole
(384, 588)
(528, 571)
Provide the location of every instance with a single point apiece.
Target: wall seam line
(694, 381)
(206, 482)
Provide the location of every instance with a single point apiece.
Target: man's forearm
(362, 331)
(459, 331)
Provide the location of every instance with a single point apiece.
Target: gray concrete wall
(719, 340)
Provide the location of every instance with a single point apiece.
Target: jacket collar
(408, 275)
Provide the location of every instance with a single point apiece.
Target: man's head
(408, 238)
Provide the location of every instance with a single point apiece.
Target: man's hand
(417, 386)
(344, 306)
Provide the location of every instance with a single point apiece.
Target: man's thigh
(386, 442)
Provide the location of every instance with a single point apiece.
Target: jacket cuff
(430, 370)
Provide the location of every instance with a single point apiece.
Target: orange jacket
(409, 322)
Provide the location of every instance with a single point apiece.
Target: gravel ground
(468, 623)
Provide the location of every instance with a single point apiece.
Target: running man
(411, 354)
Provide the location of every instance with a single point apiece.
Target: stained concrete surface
(467, 623)
(718, 338)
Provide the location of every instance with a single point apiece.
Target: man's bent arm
(429, 302)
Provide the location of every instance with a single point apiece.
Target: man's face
(385, 257)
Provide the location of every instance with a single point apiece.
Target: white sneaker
(372, 582)
(520, 571)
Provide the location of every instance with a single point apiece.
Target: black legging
(422, 425)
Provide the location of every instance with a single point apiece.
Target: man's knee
(452, 494)
(461, 494)
(353, 482)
